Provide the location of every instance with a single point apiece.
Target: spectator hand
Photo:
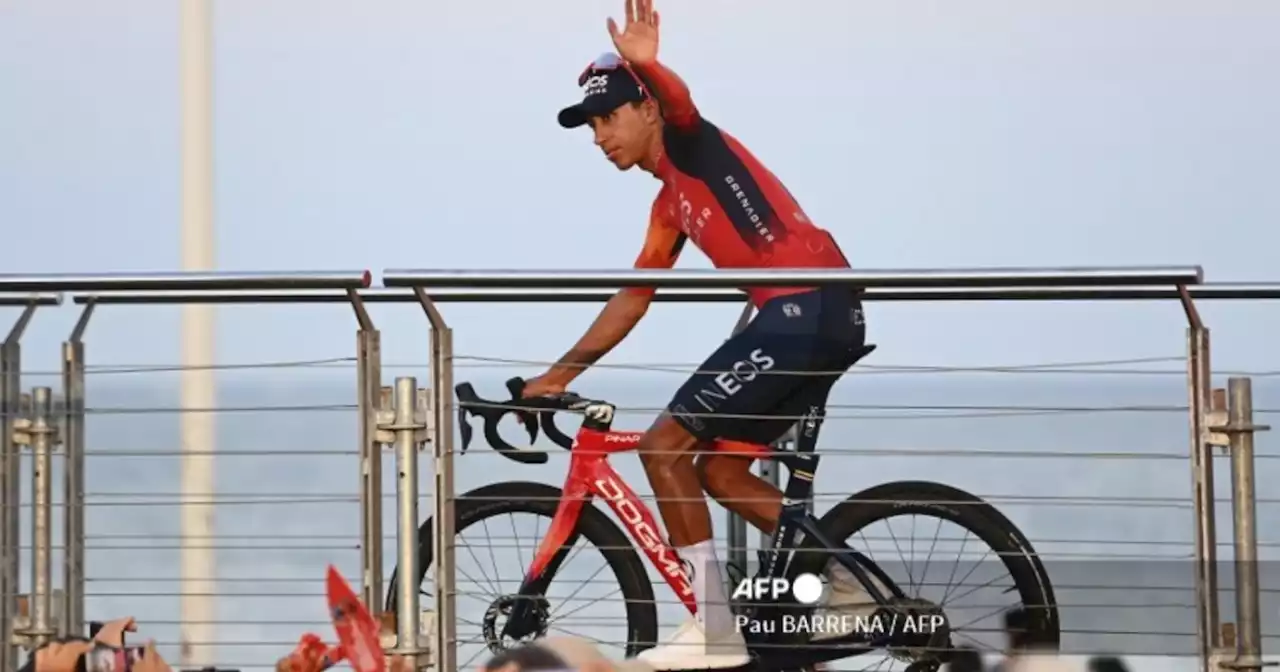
(60, 656)
(306, 657)
(151, 661)
(112, 633)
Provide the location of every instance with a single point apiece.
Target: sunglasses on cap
(609, 62)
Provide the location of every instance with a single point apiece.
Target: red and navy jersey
(717, 194)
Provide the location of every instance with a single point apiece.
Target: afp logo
(595, 85)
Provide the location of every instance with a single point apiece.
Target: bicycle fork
(552, 551)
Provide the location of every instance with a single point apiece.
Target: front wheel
(611, 603)
(1002, 561)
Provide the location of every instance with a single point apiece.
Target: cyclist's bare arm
(619, 316)
(624, 310)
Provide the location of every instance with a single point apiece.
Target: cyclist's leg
(723, 398)
(709, 640)
(733, 382)
(731, 396)
(838, 333)
(726, 474)
(667, 450)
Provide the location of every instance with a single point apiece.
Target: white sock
(708, 585)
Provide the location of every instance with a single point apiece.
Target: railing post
(73, 437)
(406, 423)
(1241, 429)
(444, 635)
(1202, 501)
(40, 434)
(369, 385)
(10, 489)
(446, 654)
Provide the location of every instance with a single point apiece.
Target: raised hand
(637, 42)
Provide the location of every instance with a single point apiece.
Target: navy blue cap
(607, 84)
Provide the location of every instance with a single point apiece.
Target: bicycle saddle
(856, 354)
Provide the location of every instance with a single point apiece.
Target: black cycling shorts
(768, 369)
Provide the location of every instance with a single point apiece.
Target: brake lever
(545, 419)
(530, 421)
(490, 413)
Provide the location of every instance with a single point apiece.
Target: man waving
(752, 388)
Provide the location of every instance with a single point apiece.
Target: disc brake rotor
(502, 607)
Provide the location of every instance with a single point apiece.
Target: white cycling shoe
(688, 649)
(847, 601)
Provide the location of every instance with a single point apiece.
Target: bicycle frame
(591, 475)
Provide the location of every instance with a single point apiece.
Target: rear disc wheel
(993, 562)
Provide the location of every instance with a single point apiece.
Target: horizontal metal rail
(214, 280)
(710, 278)
(42, 299)
(1210, 291)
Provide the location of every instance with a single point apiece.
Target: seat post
(806, 431)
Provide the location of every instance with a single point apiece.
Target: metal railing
(405, 416)
(36, 425)
(1027, 284)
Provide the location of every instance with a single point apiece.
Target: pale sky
(398, 133)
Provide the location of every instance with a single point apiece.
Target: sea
(1090, 464)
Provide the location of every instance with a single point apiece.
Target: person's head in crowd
(1107, 664)
(1020, 642)
(1017, 630)
(560, 654)
(965, 659)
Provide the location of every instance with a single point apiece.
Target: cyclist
(715, 193)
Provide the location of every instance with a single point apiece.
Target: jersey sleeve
(663, 243)
(678, 109)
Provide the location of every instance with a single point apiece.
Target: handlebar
(534, 413)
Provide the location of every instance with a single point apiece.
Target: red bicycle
(527, 611)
